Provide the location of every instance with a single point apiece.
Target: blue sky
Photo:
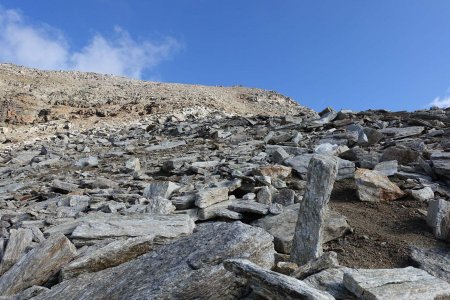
(349, 54)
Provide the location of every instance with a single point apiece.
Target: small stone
(424, 194)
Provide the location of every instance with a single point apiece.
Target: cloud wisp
(44, 47)
(441, 102)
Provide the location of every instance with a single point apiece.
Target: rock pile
(217, 207)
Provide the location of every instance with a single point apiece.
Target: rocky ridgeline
(218, 206)
(30, 96)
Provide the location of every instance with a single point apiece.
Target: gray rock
(300, 164)
(373, 186)
(253, 207)
(402, 132)
(160, 205)
(264, 195)
(332, 281)
(308, 235)
(111, 255)
(424, 194)
(90, 161)
(326, 261)
(18, 242)
(106, 226)
(282, 227)
(435, 261)
(284, 197)
(133, 165)
(210, 196)
(177, 163)
(408, 283)
(441, 163)
(402, 155)
(279, 155)
(165, 145)
(271, 285)
(189, 268)
(438, 210)
(161, 189)
(64, 187)
(373, 136)
(387, 168)
(38, 265)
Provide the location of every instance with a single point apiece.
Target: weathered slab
(111, 255)
(189, 268)
(332, 281)
(245, 206)
(18, 242)
(438, 210)
(401, 284)
(273, 285)
(161, 189)
(300, 164)
(435, 261)
(210, 196)
(117, 226)
(38, 265)
(326, 261)
(308, 236)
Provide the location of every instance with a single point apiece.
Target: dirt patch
(383, 232)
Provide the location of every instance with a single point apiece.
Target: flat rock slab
(282, 227)
(189, 268)
(332, 281)
(273, 285)
(373, 186)
(111, 255)
(249, 207)
(407, 283)
(116, 226)
(402, 132)
(38, 265)
(210, 196)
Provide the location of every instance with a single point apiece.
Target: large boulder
(189, 268)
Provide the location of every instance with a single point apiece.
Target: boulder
(373, 186)
(189, 268)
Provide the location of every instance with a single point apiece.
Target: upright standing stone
(307, 244)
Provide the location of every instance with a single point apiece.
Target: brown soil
(383, 232)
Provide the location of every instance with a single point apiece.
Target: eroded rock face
(374, 186)
(188, 268)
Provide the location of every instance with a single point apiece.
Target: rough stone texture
(387, 168)
(402, 155)
(253, 207)
(332, 281)
(18, 242)
(407, 283)
(38, 265)
(161, 189)
(210, 196)
(273, 171)
(308, 236)
(437, 211)
(188, 268)
(424, 194)
(282, 227)
(326, 261)
(374, 186)
(300, 164)
(111, 255)
(116, 226)
(272, 285)
(435, 261)
(160, 205)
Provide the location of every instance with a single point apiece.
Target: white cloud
(44, 47)
(441, 102)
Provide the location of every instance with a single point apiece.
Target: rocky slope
(212, 205)
(31, 96)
